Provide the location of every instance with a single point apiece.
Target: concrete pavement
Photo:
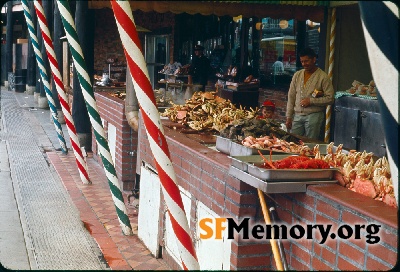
(49, 219)
(40, 227)
(13, 253)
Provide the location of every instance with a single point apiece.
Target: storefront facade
(255, 38)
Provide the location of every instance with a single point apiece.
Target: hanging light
(283, 24)
(258, 26)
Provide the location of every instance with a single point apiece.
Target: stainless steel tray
(238, 149)
(271, 187)
(223, 145)
(290, 174)
(232, 148)
(242, 162)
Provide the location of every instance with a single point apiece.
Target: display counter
(357, 124)
(209, 190)
(122, 139)
(108, 88)
(179, 85)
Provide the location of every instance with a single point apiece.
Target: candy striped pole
(94, 116)
(82, 167)
(155, 132)
(330, 73)
(45, 79)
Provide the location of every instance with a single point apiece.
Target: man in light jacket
(310, 92)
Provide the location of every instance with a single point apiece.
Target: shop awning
(299, 10)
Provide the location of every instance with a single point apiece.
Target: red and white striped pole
(48, 42)
(155, 132)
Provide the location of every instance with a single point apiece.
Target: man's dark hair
(309, 52)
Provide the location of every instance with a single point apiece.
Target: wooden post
(274, 245)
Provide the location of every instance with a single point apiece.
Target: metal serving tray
(290, 174)
(242, 162)
(237, 149)
(271, 187)
(232, 148)
(223, 145)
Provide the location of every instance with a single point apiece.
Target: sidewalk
(93, 204)
(98, 214)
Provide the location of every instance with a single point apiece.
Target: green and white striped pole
(45, 78)
(94, 116)
(48, 43)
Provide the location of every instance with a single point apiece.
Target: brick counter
(203, 173)
(112, 112)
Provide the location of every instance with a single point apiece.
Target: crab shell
(181, 114)
(207, 95)
(219, 99)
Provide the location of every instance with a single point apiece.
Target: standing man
(278, 67)
(310, 92)
(200, 68)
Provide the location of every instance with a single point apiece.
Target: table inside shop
(180, 86)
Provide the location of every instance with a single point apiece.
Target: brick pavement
(99, 216)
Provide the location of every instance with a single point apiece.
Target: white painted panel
(149, 207)
(103, 122)
(169, 236)
(212, 254)
(112, 140)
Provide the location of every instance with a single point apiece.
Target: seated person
(267, 110)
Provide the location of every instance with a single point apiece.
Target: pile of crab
(276, 144)
(357, 171)
(360, 173)
(207, 111)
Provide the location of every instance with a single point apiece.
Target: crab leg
(269, 162)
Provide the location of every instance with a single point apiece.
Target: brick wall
(204, 174)
(107, 41)
(112, 111)
(324, 205)
(209, 182)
